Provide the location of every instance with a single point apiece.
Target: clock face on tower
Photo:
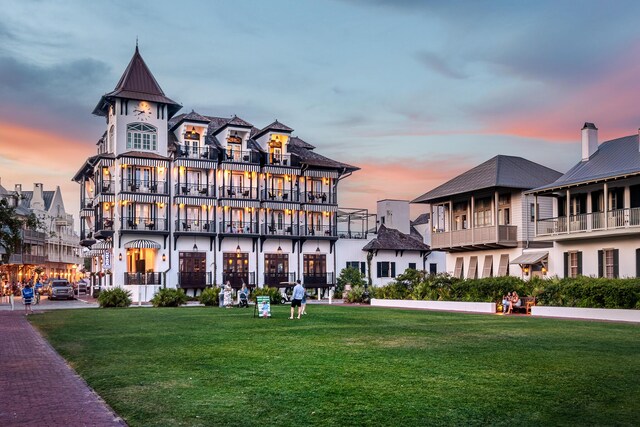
(143, 111)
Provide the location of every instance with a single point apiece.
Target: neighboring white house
(484, 219)
(594, 224)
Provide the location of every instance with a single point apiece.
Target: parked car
(61, 288)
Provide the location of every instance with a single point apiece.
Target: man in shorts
(296, 299)
(27, 298)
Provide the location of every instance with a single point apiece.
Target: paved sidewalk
(37, 387)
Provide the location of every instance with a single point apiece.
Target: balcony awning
(530, 258)
(195, 201)
(102, 246)
(319, 208)
(142, 244)
(321, 173)
(197, 164)
(281, 170)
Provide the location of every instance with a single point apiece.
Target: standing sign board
(263, 306)
(106, 261)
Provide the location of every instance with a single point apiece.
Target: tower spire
(136, 43)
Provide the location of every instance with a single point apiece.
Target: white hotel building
(190, 201)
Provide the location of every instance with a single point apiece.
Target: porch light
(193, 130)
(279, 250)
(544, 270)
(195, 247)
(317, 247)
(120, 256)
(238, 249)
(526, 271)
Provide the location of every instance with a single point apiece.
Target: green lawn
(350, 366)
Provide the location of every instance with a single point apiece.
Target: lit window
(141, 136)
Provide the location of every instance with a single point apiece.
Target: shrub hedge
(274, 294)
(209, 296)
(116, 297)
(169, 297)
(586, 292)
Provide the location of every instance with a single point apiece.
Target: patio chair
(132, 225)
(185, 226)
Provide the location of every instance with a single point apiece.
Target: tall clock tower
(137, 111)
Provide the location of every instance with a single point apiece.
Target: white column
(568, 211)
(495, 215)
(535, 215)
(471, 219)
(606, 206)
(589, 211)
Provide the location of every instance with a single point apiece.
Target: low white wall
(587, 313)
(474, 307)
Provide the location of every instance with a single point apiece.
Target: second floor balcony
(317, 279)
(280, 196)
(237, 278)
(476, 238)
(231, 192)
(238, 227)
(279, 279)
(195, 226)
(241, 156)
(280, 229)
(319, 231)
(321, 197)
(151, 278)
(627, 219)
(145, 186)
(189, 189)
(195, 152)
(143, 224)
(195, 279)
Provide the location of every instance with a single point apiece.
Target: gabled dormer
(274, 140)
(136, 111)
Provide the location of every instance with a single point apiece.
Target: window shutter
(379, 265)
(600, 266)
(580, 263)
(566, 264)
(348, 264)
(616, 264)
(393, 269)
(363, 268)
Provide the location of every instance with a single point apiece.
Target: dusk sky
(413, 92)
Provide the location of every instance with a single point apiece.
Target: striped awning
(105, 162)
(240, 203)
(195, 201)
(105, 198)
(321, 173)
(142, 244)
(281, 170)
(143, 198)
(140, 161)
(86, 213)
(319, 208)
(281, 205)
(95, 252)
(251, 167)
(197, 164)
(104, 245)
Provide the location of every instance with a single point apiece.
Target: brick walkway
(37, 387)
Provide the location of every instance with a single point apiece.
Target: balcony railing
(105, 186)
(145, 186)
(238, 156)
(195, 226)
(319, 197)
(318, 279)
(187, 152)
(594, 221)
(143, 278)
(238, 227)
(187, 189)
(319, 231)
(195, 279)
(32, 236)
(144, 224)
(280, 196)
(279, 159)
(279, 279)
(351, 234)
(104, 224)
(238, 192)
(505, 235)
(284, 230)
(238, 279)
(87, 203)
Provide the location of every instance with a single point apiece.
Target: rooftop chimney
(37, 200)
(19, 189)
(589, 140)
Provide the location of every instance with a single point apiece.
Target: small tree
(349, 276)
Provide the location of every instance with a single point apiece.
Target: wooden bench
(527, 303)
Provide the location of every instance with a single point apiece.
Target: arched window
(141, 136)
(110, 148)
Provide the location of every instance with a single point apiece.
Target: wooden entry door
(315, 269)
(236, 268)
(276, 267)
(193, 270)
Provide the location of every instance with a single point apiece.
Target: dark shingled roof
(500, 171)
(28, 195)
(297, 142)
(393, 240)
(312, 158)
(422, 219)
(614, 158)
(137, 82)
(273, 126)
(143, 155)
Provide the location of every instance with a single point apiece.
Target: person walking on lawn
(296, 299)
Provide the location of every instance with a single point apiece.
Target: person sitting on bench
(515, 302)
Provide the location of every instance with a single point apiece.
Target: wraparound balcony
(582, 225)
(476, 238)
